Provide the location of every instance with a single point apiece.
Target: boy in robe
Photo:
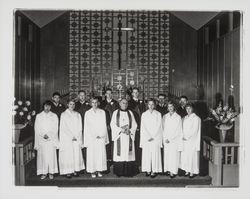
(191, 142)
(70, 151)
(151, 140)
(123, 127)
(172, 139)
(109, 105)
(46, 141)
(137, 106)
(95, 139)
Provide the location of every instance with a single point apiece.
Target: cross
(120, 29)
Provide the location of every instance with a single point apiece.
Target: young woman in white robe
(172, 140)
(151, 140)
(46, 141)
(191, 143)
(123, 127)
(70, 151)
(95, 139)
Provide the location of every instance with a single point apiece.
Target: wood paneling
(27, 62)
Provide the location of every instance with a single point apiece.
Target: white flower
(29, 117)
(33, 113)
(21, 113)
(111, 103)
(25, 109)
(15, 107)
(140, 101)
(87, 103)
(20, 103)
(14, 112)
(60, 105)
(28, 103)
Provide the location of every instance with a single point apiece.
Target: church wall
(27, 60)
(183, 57)
(54, 56)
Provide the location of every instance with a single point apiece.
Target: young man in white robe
(172, 140)
(123, 127)
(151, 140)
(70, 151)
(191, 143)
(46, 141)
(95, 139)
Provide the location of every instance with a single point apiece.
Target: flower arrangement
(223, 116)
(23, 114)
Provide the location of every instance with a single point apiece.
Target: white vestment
(123, 153)
(46, 123)
(95, 125)
(151, 127)
(70, 152)
(191, 147)
(172, 131)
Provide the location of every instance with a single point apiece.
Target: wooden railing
(223, 161)
(23, 154)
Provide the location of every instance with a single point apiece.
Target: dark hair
(163, 95)
(108, 89)
(183, 96)
(56, 93)
(96, 98)
(136, 88)
(70, 100)
(151, 100)
(82, 91)
(190, 105)
(47, 102)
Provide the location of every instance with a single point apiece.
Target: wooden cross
(120, 29)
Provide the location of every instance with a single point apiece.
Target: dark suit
(137, 107)
(163, 109)
(109, 108)
(58, 109)
(181, 111)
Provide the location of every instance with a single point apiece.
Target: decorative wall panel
(94, 46)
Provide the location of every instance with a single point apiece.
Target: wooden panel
(222, 67)
(227, 66)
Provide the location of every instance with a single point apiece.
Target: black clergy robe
(109, 108)
(163, 109)
(137, 107)
(82, 108)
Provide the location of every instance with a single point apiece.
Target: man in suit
(109, 105)
(81, 106)
(162, 106)
(57, 107)
(181, 110)
(137, 106)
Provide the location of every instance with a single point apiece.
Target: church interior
(196, 54)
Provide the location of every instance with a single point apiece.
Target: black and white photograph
(141, 98)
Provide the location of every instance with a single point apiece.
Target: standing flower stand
(223, 129)
(17, 131)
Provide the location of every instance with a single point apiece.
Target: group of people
(131, 135)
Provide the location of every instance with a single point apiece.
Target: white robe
(151, 127)
(125, 155)
(172, 131)
(70, 152)
(46, 123)
(95, 125)
(191, 147)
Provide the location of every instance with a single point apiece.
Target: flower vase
(223, 129)
(17, 131)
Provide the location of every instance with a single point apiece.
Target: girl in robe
(70, 151)
(151, 140)
(172, 140)
(191, 143)
(46, 141)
